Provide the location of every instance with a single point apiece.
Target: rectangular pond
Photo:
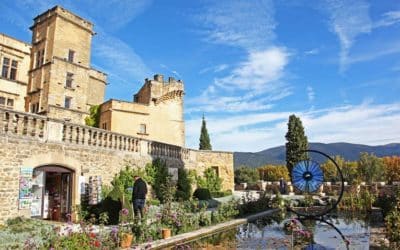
(338, 232)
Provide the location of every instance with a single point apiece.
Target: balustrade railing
(38, 127)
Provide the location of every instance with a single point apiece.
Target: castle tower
(156, 112)
(61, 82)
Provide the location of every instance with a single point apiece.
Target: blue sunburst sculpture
(307, 176)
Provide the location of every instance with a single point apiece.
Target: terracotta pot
(166, 233)
(126, 240)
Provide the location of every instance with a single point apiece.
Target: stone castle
(46, 90)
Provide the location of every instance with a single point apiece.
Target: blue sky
(248, 65)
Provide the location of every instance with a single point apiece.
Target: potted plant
(126, 235)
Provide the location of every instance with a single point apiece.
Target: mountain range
(277, 155)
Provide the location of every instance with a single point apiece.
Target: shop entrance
(52, 193)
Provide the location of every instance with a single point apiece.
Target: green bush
(161, 176)
(247, 175)
(184, 185)
(221, 194)
(202, 194)
(210, 180)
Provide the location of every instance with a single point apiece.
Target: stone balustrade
(37, 127)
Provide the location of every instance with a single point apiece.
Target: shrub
(202, 194)
(211, 181)
(221, 194)
(247, 175)
(273, 173)
(184, 185)
(160, 178)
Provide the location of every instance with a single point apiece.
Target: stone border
(200, 233)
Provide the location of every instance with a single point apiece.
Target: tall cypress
(204, 137)
(296, 142)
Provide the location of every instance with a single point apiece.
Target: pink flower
(125, 211)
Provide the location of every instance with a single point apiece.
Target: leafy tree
(296, 143)
(273, 173)
(93, 119)
(392, 168)
(184, 185)
(161, 178)
(350, 172)
(205, 143)
(210, 180)
(370, 167)
(245, 174)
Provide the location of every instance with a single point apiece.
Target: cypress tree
(296, 142)
(204, 137)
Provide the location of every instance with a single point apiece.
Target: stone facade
(14, 67)
(55, 83)
(30, 140)
(156, 112)
(62, 83)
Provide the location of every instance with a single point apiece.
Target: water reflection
(267, 233)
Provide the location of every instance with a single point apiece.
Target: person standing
(139, 196)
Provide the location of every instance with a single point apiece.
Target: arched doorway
(52, 192)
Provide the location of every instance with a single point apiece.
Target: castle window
(67, 102)
(35, 108)
(142, 129)
(10, 103)
(104, 125)
(71, 55)
(13, 72)
(69, 79)
(2, 102)
(39, 58)
(6, 67)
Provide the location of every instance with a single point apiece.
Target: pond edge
(189, 236)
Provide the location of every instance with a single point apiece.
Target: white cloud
(314, 51)
(310, 94)
(214, 69)
(349, 19)
(365, 124)
(114, 14)
(246, 24)
(253, 85)
(258, 72)
(119, 58)
(389, 18)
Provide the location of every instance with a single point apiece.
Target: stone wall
(32, 141)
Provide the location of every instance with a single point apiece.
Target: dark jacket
(139, 189)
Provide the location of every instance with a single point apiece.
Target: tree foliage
(370, 168)
(273, 173)
(247, 175)
(161, 178)
(205, 143)
(210, 180)
(392, 165)
(184, 185)
(350, 172)
(93, 119)
(296, 143)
